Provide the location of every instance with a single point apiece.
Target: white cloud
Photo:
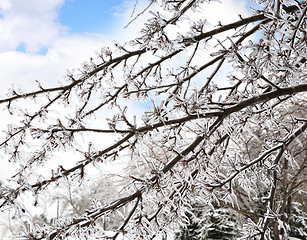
(5, 4)
(30, 23)
(68, 52)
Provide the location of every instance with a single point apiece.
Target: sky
(29, 28)
(104, 15)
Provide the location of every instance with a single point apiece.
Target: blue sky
(94, 16)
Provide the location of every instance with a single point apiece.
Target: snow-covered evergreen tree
(298, 222)
(220, 223)
(191, 230)
(210, 224)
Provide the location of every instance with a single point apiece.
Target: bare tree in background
(194, 116)
(290, 189)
